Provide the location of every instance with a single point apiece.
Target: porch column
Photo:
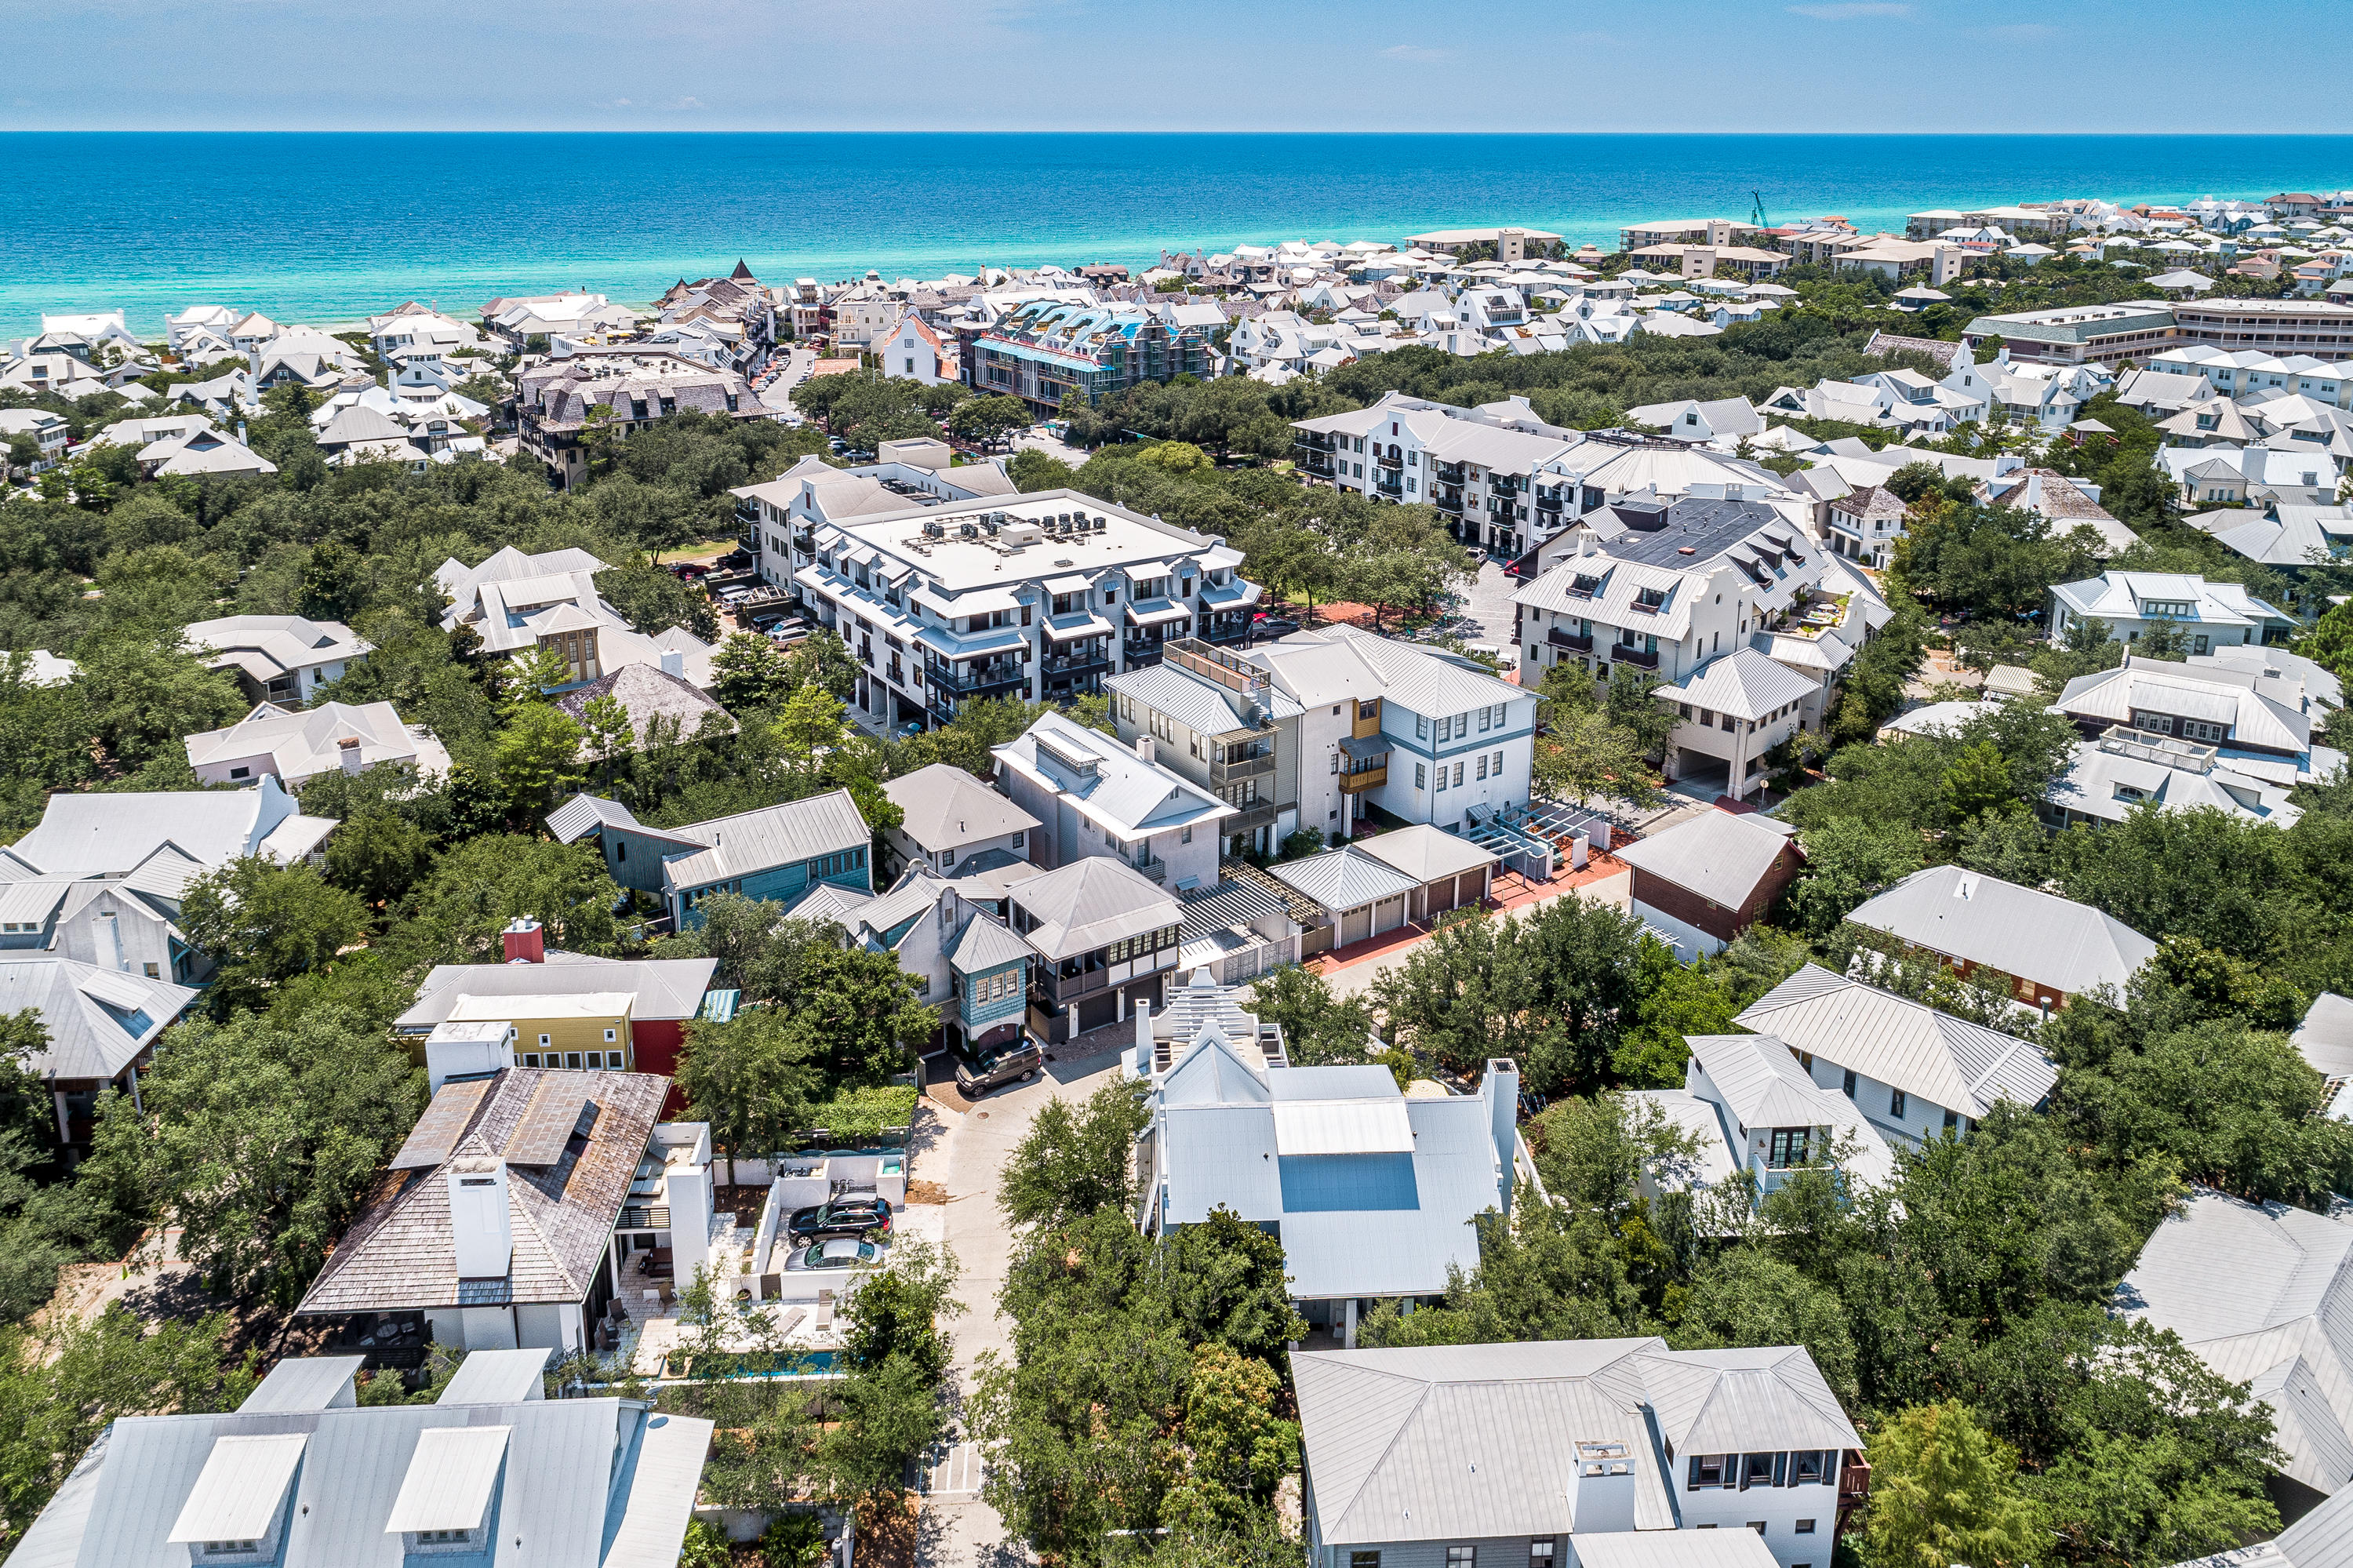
(65, 1133)
(1349, 1333)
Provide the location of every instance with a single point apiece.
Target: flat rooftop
(1705, 528)
(1029, 541)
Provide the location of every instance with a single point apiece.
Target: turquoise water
(331, 228)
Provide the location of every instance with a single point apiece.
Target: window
(1417, 780)
(1540, 1554)
(1482, 765)
(154, 971)
(1421, 727)
(1952, 1121)
(1703, 1470)
(1789, 1147)
(572, 1060)
(1498, 768)
(1458, 775)
(1805, 1527)
(1369, 710)
(1020, 837)
(1847, 1083)
(1461, 1557)
(1809, 1467)
(1363, 1560)
(1441, 773)
(1758, 1525)
(542, 1042)
(611, 1035)
(1485, 716)
(1763, 1470)
(234, 773)
(1335, 762)
(1896, 1103)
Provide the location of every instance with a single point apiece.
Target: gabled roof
(1344, 878)
(399, 1252)
(1947, 1061)
(1718, 854)
(2263, 1294)
(945, 807)
(665, 988)
(98, 1019)
(772, 836)
(1425, 854)
(1762, 1084)
(1111, 784)
(2020, 931)
(1420, 680)
(85, 835)
(1745, 684)
(1200, 705)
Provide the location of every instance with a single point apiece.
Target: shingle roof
(648, 691)
(2020, 931)
(1947, 1061)
(400, 1254)
(1716, 854)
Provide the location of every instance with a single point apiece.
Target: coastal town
(658, 931)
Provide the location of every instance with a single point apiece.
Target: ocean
(331, 228)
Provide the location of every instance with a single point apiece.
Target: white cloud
(1416, 53)
(1852, 10)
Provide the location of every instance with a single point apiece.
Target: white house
(297, 745)
(1092, 796)
(279, 656)
(2210, 615)
(914, 352)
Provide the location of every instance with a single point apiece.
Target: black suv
(976, 1075)
(842, 1217)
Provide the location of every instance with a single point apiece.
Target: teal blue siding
(785, 884)
(633, 859)
(980, 1015)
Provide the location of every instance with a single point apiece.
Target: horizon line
(1084, 130)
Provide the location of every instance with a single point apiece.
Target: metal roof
(665, 988)
(1420, 680)
(1736, 1401)
(1091, 903)
(2325, 1038)
(497, 1377)
(1342, 1126)
(1949, 1062)
(1745, 683)
(241, 1490)
(1716, 854)
(449, 1479)
(305, 1382)
(2020, 931)
(772, 836)
(1674, 1549)
(2253, 1288)
(1425, 854)
(98, 1019)
(1344, 878)
(943, 806)
(1118, 788)
(986, 944)
(1761, 1081)
(1198, 705)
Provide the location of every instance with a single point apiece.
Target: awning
(1070, 584)
(1071, 629)
(1363, 748)
(1158, 612)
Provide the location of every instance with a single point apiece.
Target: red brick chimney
(525, 943)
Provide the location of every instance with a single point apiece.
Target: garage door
(1098, 1011)
(1470, 887)
(1388, 915)
(1441, 896)
(1355, 925)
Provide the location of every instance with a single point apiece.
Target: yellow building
(590, 1029)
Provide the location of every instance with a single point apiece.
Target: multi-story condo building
(1484, 469)
(556, 402)
(1215, 719)
(1039, 596)
(1726, 601)
(1048, 349)
(2077, 335)
(1426, 736)
(776, 517)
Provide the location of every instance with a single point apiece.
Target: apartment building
(1037, 597)
(1216, 719)
(1044, 351)
(1492, 472)
(778, 516)
(2319, 328)
(2078, 335)
(1428, 736)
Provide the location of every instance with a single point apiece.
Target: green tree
(480, 885)
(1750, 1298)
(265, 923)
(1943, 1491)
(539, 761)
(378, 855)
(1236, 1447)
(1849, 861)
(752, 1078)
(260, 1139)
(1318, 1028)
(749, 673)
(894, 1358)
(1977, 782)
(1075, 1160)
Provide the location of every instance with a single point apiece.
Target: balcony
(1357, 783)
(1506, 485)
(1575, 641)
(1390, 481)
(644, 1217)
(804, 544)
(1149, 865)
(1641, 658)
(1232, 626)
(976, 680)
(1256, 815)
(1239, 767)
(1063, 666)
(1448, 472)
(1313, 441)
(1450, 502)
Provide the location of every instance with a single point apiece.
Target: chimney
(673, 663)
(525, 942)
(1601, 1492)
(480, 1231)
(347, 752)
(1501, 1090)
(1144, 747)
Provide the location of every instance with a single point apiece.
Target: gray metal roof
(497, 1377)
(1454, 1442)
(1119, 789)
(1949, 1062)
(1344, 878)
(1716, 854)
(1419, 679)
(986, 944)
(2020, 931)
(945, 807)
(86, 835)
(665, 988)
(2325, 1038)
(1425, 854)
(772, 836)
(1761, 1083)
(98, 1019)
(584, 1483)
(2258, 1290)
(305, 1382)
(1674, 1549)
(1745, 683)
(1091, 903)
(1197, 705)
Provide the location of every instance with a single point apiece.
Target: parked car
(976, 1075)
(1273, 626)
(842, 1217)
(689, 570)
(733, 561)
(847, 1253)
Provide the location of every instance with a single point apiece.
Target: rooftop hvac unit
(933, 530)
(1101, 522)
(989, 523)
(967, 531)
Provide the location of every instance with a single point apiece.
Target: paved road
(959, 1529)
(1053, 446)
(778, 393)
(1490, 604)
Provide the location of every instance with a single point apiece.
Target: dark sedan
(842, 1217)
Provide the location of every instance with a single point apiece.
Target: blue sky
(1376, 65)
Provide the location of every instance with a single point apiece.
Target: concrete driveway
(959, 1531)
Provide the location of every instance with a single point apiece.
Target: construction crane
(1756, 209)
